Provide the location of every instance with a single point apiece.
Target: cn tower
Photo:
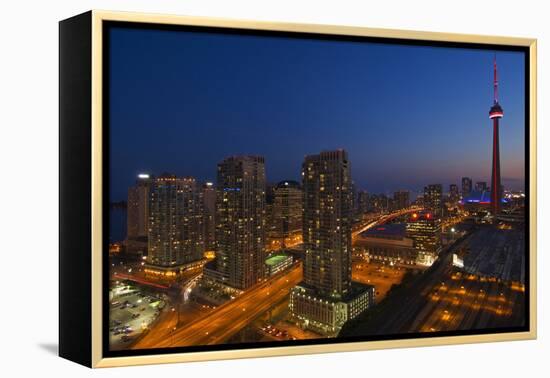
(495, 114)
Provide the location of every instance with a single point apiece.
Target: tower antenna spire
(495, 78)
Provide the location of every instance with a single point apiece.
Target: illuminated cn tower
(495, 114)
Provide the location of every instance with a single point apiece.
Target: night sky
(407, 115)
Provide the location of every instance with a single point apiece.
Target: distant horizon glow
(408, 116)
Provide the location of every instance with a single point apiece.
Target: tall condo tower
(240, 221)
(175, 226)
(327, 223)
(138, 207)
(495, 114)
(287, 211)
(327, 298)
(138, 215)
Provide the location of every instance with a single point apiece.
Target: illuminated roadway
(381, 219)
(229, 318)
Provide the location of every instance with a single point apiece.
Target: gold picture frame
(94, 26)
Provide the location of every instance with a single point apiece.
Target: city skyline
(255, 123)
(327, 194)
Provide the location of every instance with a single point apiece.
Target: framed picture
(234, 189)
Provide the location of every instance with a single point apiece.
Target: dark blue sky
(407, 115)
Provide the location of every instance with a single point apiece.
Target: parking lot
(131, 312)
(383, 277)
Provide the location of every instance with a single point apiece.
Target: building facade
(466, 186)
(386, 244)
(209, 216)
(323, 300)
(401, 199)
(327, 223)
(138, 208)
(377, 203)
(277, 262)
(433, 199)
(481, 186)
(454, 195)
(425, 230)
(240, 221)
(287, 212)
(363, 202)
(175, 235)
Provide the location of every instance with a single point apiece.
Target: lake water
(117, 225)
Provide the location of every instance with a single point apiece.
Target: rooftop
(481, 197)
(387, 230)
(276, 259)
(288, 184)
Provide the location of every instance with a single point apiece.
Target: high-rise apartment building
(326, 298)
(175, 223)
(287, 210)
(138, 208)
(327, 223)
(209, 216)
(240, 221)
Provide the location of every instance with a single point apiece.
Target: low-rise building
(276, 263)
(387, 244)
(172, 272)
(325, 315)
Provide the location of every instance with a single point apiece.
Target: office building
(433, 199)
(454, 195)
(481, 186)
(466, 186)
(425, 230)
